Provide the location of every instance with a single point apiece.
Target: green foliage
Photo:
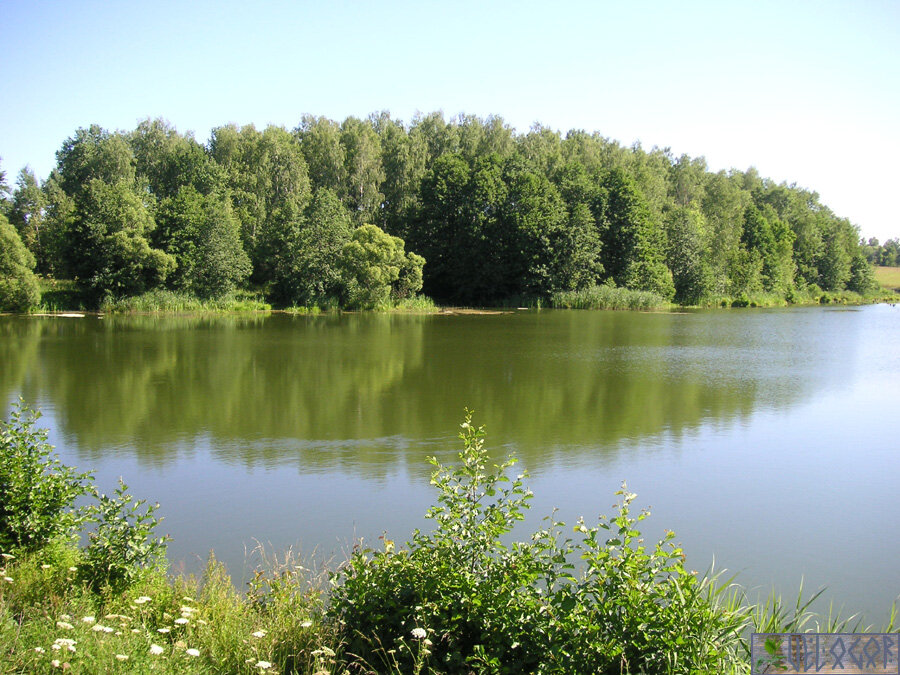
(19, 289)
(460, 598)
(169, 301)
(308, 267)
(378, 270)
(123, 545)
(37, 492)
(497, 215)
(607, 297)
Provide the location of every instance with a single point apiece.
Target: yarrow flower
(40, 650)
(181, 621)
(59, 643)
(65, 625)
(418, 633)
(306, 624)
(122, 657)
(259, 634)
(263, 665)
(193, 652)
(88, 619)
(156, 650)
(141, 600)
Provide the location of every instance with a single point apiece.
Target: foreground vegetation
(366, 213)
(454, 599)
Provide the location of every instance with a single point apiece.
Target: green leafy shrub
(123, 546)
(19, 288)
(37, 492)
(460, 599)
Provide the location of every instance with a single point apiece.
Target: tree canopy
(314, 215)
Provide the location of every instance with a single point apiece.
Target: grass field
(888, 277)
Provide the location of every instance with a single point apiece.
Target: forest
(369, 212)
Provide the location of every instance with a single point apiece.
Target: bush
(37, 492)
(460, 599)
(123, 546)
(19, 288)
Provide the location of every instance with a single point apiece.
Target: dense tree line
(886, 254)
(343, 214)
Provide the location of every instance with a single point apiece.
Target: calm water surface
(767, 440)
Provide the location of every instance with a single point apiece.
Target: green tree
(26, 214)
(4, 192)
(633, 243)
(377, 269)
(204, 237)
(113, 229)
(533, 225)
(309, 267)
(320, 142)
(403, 157)
(19, 290)
(168, 160)
(269, 186)
(687, 255)
(862, 276)
(363, 169)
(834, 262)
(441, 231)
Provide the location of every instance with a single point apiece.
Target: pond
(767, 439)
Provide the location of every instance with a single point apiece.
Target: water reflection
(354, 391)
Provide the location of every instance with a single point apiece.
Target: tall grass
(160, 301)
(608, 297)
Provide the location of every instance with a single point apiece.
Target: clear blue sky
(808, 92)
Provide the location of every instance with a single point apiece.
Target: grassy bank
(888, 278)
(455, 599)
(610, 297)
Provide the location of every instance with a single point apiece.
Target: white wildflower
(88, 619)
(162, 630)
(263, 665)
(259, 634)
(40, 650)
(181, 621)
(418, 633)
(141, 600)
(65, 625)
(306, 624)
(122, 657)
(193, 652)
(156, 650)
(55, 663)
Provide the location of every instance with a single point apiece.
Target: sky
(806, 92)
